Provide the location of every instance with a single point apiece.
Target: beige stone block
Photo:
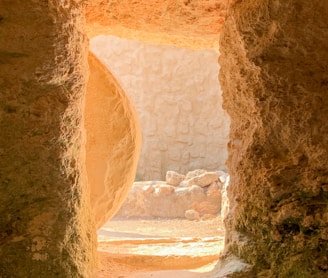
(174, 178)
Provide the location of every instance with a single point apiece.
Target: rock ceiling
(186, 23)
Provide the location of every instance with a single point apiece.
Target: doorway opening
(171, 218)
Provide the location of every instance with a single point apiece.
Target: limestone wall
(178, 99)
(274, 79)
(45, 226)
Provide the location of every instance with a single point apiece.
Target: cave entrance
(178, 100)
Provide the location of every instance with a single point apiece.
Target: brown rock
(148, 189)
(203, 180)
(214, 193)
(192, 24)
(164, 190)
(291, 211)
(44, 200)
(274, 79)
(197, 193)
(206, 207)
(194, 173)
(174, 178)
(160, 200)
(274, 94)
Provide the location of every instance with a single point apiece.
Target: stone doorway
(274, 79)
(178, 99)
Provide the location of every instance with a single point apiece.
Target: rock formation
(174, 178)
(45, 224)
(159, 199)
(274, 78)
(186, 23)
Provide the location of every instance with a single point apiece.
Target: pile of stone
(210, 182)
(195, 196)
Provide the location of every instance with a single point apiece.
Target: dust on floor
(159, 248)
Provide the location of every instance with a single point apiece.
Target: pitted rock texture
(113, 142)
(187, 23)
(275, 83)
(45, 225)
(274, 61)
(178, 99)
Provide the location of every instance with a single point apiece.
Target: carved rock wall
(187, 23)
(274, 77)
(274, 60)
(178, 99)
(45, 228)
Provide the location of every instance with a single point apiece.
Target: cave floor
(159, 248)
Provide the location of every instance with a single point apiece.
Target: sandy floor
(159, 248)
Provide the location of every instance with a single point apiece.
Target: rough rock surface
(207, 207)
(45, 228)
(153, 199)
(173, 178)
(113, 142)
(187, 23)
(274, 77)
(214, 192)
(202, 180)
(194, 173)
(163, 201)
(178, 99)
